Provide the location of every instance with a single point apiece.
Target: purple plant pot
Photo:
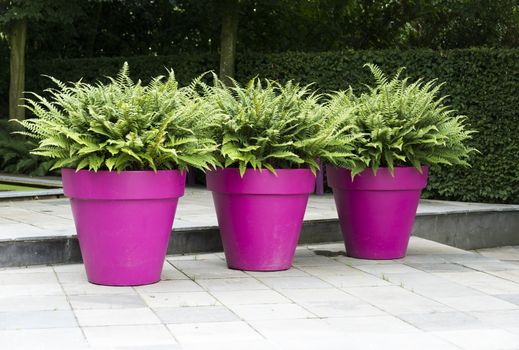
(376, 213)
(260, 215)
(123, 222)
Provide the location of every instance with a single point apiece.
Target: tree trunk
(228, 40)
(17, 38)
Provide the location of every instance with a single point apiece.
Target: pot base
(127, 283)
(261, 232)
(376, 212)
(260, 269)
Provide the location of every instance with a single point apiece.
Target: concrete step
(34, 232)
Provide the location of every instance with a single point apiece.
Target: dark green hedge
(142, 67)
(93, 69)
(481, 83)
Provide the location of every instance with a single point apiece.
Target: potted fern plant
(123, 148)
(269, 138)
(397, 130)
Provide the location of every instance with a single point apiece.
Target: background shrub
(15, 156)
(481, 83)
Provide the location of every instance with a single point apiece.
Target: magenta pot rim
(255, 181)
(126, 185)
(403, 178)
(124, 171)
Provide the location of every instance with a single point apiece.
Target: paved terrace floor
(437, 298)
(22, 219)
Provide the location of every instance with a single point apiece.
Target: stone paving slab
(31, 194)
(43, 181)
(51, 187)
(325, 301)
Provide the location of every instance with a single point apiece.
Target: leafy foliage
(449, 24)
(401, 123)
(266, 125)
(50, 11)
(15, 156)
(121, 125)
(162, 27)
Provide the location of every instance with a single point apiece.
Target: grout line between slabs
(71, 308)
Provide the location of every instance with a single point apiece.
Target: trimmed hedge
(93, 69)
(481, 83)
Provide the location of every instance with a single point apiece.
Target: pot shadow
(328, 253)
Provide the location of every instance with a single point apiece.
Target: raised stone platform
(42, 231)
(49, 187)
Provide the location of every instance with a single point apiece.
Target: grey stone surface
(195, 314)
(39, 251)
(472, 229)
(32, 194)
(326, 301)
(441, 321)
(37, 319)
(47, 181)
(105, 301)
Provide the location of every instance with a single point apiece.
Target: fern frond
(396, 123)
(264, 124)
(121, 125)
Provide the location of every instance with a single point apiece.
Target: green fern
(15, 155)
(397, 123)
(267, 125)
(122, 125)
